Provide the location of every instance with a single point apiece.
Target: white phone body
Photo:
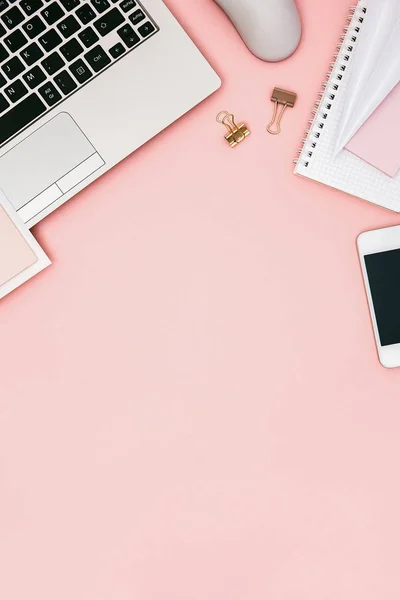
(380, 263)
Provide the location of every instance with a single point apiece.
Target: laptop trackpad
(46, 165)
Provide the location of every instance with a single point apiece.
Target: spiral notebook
(345, 171)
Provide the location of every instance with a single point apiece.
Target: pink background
(191, 404)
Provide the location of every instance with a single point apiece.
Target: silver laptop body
(84, 84)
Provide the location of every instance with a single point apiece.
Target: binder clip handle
(276, 121)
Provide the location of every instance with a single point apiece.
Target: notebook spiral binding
(330, 85)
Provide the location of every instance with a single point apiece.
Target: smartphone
(380, 262)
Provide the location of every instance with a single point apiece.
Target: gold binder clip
(237, 133)
(286, 99)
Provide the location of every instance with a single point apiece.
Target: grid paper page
(345, 172)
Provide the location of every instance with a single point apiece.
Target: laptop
(82, 85)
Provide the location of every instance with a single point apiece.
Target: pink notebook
(378, 140)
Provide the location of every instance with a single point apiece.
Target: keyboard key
(20, 116)
(34, 77)
(30, 6)
(4, 104)
(109, 21)
(12, 17)
(85, 14)
(71, 49)
(52, 13)
(65, 82)
(34, 27)
(70, 4)
(137, 17)
(3, 81)
(3, 5)
(2, 30)
(50, 40)
(53, 63)
(146, 29)
(31, 54)
(15, 40)
(88, 36)
(16, 90)
(97, 59)
(117, 50)
(69, 26)
(3, 53)
(127, 5)
(80, 71)
(101, 5)
(13, 67)
(50, 94)
(128, 36)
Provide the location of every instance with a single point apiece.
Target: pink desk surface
(191, 405)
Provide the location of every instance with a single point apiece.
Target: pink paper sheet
(16, 254)
(378, 140)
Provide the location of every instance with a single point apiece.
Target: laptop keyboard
(49, 49)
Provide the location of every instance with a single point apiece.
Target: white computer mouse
(271, 29)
